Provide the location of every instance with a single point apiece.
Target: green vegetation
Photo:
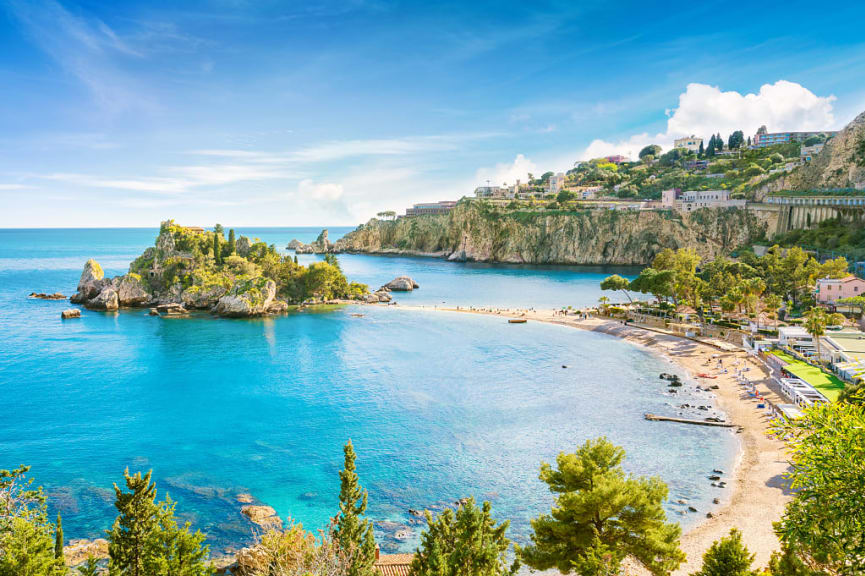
(27, 546)
(740, 169)
(601, 515)
(847, 238)
(824, 524)
(468, 543)
(353, 533)
(200, 261)
(828, 385)
(727, 557)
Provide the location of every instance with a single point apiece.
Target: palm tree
(773, 303)
(815, 324)
(603, 300)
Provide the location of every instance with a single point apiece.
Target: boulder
(247, 298)
(71, 313)
(383, 296)
(171, 309)
(202, 297)
(91, 282)
(131, 291)
(278, 307)
(106, 300)
(264, 516)
(401, 284)
(304, 249)
(294, 244)
(245, 498)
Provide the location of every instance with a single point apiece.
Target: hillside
(479, 231)
(841, 164)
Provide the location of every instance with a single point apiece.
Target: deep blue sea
(439, 405)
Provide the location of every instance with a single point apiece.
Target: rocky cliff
(841, 163)
(478, 231)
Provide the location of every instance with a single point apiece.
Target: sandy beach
(758, 495)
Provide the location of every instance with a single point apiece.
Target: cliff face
(477, 231)
(841, 163)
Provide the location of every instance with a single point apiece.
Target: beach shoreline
(759, 491)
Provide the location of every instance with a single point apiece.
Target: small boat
(356, 315)
(517, 321)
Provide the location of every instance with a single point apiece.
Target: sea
(439, 405)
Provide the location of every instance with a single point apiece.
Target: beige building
(691, 200)
(691, 143)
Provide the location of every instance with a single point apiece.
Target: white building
(794, 337)
(691, 200)
(556, 183)
(691, 143)
(491, 192)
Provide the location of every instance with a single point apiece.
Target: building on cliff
(830, 290)
(691, 143)
(691, 200)
(765, 138)
(422, 209)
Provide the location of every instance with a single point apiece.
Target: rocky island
(190, 268)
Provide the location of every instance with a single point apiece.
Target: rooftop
(853, 343)
(394, 564)
(828, 385)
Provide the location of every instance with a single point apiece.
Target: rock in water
(294, 244)
(71, 313)
(249, 298)
(43, 296)
(264, 516)
(131, 291)
(401, 284)
(91, 282)
(106, 300)
(170, 309)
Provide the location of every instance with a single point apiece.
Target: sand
(758, 488)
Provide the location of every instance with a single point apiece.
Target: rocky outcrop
(78, 551)
(202, 297)
(247, 298)
(44, 296)
(376, 297)
(106, 300)
(91, 282)
(321, 245)
(479, 231)
(263, 516)
(131, 291)
(70, 313)
(401, 284)
(841, 163)
(294, 244)
(170, 309)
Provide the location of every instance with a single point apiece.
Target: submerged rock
(263, 516)
(78, 551)
(171, 309)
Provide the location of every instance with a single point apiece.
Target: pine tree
(353, 533)
(128, 539)
(467, 543)
(58, 546)
(217, 254)
(702, 150)
(232, 242)
(727, 557)
(89, 568)
(295, 258)
(173, 550)
(26, 543)
(600, 516)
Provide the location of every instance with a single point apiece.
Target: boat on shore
(517, 321)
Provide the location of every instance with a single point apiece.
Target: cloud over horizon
(704, 110)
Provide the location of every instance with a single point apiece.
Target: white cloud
(320, 191)
(508, 172)
(704, 110)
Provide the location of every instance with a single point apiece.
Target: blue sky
(319, 113)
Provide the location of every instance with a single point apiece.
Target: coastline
(758, 492)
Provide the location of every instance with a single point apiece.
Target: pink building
(831, 289)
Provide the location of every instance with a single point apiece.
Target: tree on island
(823, 525)
(232, 242)
(616, 282)
(601, 515)
(353, 533)
(468, 543)
(727, 557)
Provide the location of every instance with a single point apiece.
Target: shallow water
(439, 405)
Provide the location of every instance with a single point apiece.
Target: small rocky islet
(190, 268)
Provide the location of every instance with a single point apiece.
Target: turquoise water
(439, 405)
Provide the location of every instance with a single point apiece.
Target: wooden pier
(689, 421)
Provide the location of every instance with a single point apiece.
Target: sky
(324, 113)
